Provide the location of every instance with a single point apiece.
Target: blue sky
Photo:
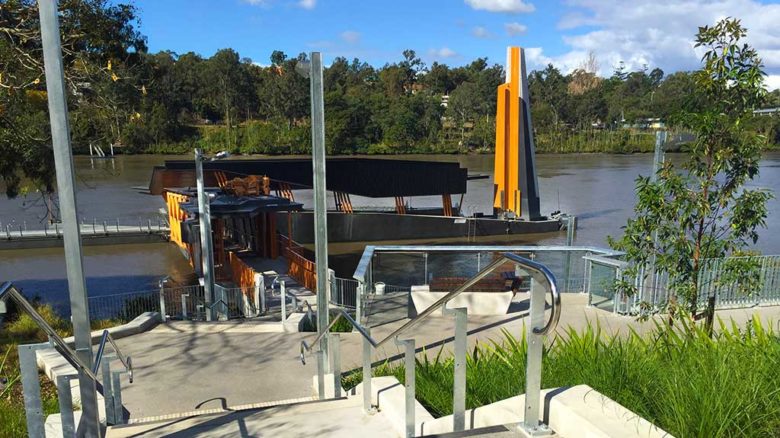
(657, 33)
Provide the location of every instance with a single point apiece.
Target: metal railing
(95, 226)
(544, 281)
(123, 306)
(655, 289)
(31, 389)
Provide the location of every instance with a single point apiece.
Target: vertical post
(283, 291)
(320, 200)
(204, 217)
(658, 161)
(162, 299)
(367, 374)
(116, 385)
(533, 370)
(459, 387)
(259, 297)
(335, 356)
(571, 227)
(184, 306)
(359, 302)
(425, 269)
(409, 385)
(63, 163)
(31, 388)
(108, 392)
(320, 375)
(66, 406)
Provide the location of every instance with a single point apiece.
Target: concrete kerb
(574, 411)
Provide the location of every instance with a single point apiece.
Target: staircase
(341, 417)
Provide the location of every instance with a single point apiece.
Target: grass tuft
(680, 379)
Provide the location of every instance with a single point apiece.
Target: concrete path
(182, 366)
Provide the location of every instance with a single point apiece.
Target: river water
(597, 188)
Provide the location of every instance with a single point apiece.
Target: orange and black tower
(516, 188)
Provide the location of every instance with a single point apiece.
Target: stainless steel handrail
(8, 290)
(538, 271)
(126, 360)
(368, 253)
(542, 274)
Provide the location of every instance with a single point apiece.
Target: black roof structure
(223, 205)
(375, 178)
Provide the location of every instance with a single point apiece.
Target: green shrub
(681, 380)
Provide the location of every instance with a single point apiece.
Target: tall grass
(682, 380)
(21, 329)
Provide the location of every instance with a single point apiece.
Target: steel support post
(31, 389)
(533, 370)
(320, 375)
(63, 163)
(409, 384)
(66, 405)
(459, 387)
(116, 384)
(571, 227)
(206, 250)
(335, 359)
(359, 302)
(108, 391)
(320, 200)
(283, 291)
(259, 293)
(367, 374)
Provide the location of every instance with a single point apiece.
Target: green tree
(101, 47)
(703, 210)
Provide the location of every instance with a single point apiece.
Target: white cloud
(772, 82)
(481, 32)
(505, 6)
(256, 2)
(306, 4)
(350, 36)
(515, 29)
(443, 53)
(658, 33)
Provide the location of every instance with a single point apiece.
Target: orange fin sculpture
(515, 188)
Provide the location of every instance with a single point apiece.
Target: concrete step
(330, 418)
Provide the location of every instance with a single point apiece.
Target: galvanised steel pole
(206, 250)
(66, 190)
(320, 200)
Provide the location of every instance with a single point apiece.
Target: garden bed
(680, 380)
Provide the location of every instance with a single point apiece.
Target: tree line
(120, 94)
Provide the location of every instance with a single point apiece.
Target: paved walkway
(184, 366)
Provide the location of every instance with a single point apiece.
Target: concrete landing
(181, 367)
(333, 418)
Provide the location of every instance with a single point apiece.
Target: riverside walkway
(17, 236)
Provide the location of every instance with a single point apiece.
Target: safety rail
(536, 330)
(93, 227)
(31, 388)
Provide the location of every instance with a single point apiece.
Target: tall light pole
(313, 70)
(66, 190)
(206, 249)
